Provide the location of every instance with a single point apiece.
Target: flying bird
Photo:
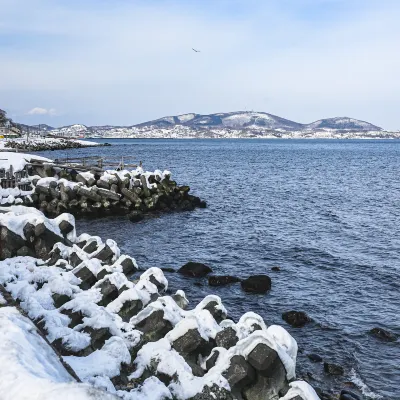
(196, 51)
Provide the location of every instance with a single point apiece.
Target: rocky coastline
(116, 328)
(91, 303)
(93, 192)
(44, 144)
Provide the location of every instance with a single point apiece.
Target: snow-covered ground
(18, 160)
(30, 369)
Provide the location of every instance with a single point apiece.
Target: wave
(365, 390)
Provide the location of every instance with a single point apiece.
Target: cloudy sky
(122, 62)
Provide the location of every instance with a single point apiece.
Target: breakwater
(90, 191)
(92, 303)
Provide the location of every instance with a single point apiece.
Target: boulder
(276, 269)
(195, 269)
(226, 338)
(87, 277)
(257, 284)
(135, 216)
(188, 343)
(129, 309)
(213, 393)
(10, 243)
(240, 373)
(25, 251)
(333, 369)
(215, 311)
(383, 334)
(90, 247)
(215, 280)
(314, 357)
(297, 319)
(347, 395)
(154, 327)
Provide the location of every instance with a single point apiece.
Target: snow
(104, 362)
(33, 369)
(16, 217)
(302, 389)
(186, 117)
(18, 160)
(2, 300)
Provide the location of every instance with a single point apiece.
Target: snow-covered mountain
(241, 124)
(343, 123)
(235, 120)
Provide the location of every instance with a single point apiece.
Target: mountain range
(226, 125)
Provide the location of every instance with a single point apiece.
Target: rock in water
(314, 357)
(135, 216)
(257, 284)
(333, 369)
(296, 318)
(222, 280)
(383, 334)
(347, 395)
(195, 269)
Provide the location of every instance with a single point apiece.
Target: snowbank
(31, 369)
(18, 160)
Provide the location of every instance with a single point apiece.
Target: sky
(122, 62)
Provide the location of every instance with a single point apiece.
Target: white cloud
(126, 62)
(41, 111)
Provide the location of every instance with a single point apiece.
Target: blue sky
(123, 62)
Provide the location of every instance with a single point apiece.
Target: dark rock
(271, 377)
(90, 247)
(333, 369)
(215, 311)
(87, 277)
(226, 338)
(29, 232)
(105, 254)
(40, 229)
(213, 393)
(257, 284)
(55, 255)
(212, 360)
(98, 338)
(102, 273)
(347, 395)
(188, 343)
(25, 251)
(296, 319)
(166, 269)
(202, 204)
(128, 267)
(383, 334)
(222, 280)
(154, 281)
(60, 299)
(74, 259)
(135, 216)
(263, 358)
(240, 373)
(109, 292)
(180, 300)
(195, 269)
(10, 243)
(154, 326)
(276, 269)
(76, 317)
(314, 357)
(65, 227)
(129, 309)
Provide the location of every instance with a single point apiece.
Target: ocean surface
(327, 212)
